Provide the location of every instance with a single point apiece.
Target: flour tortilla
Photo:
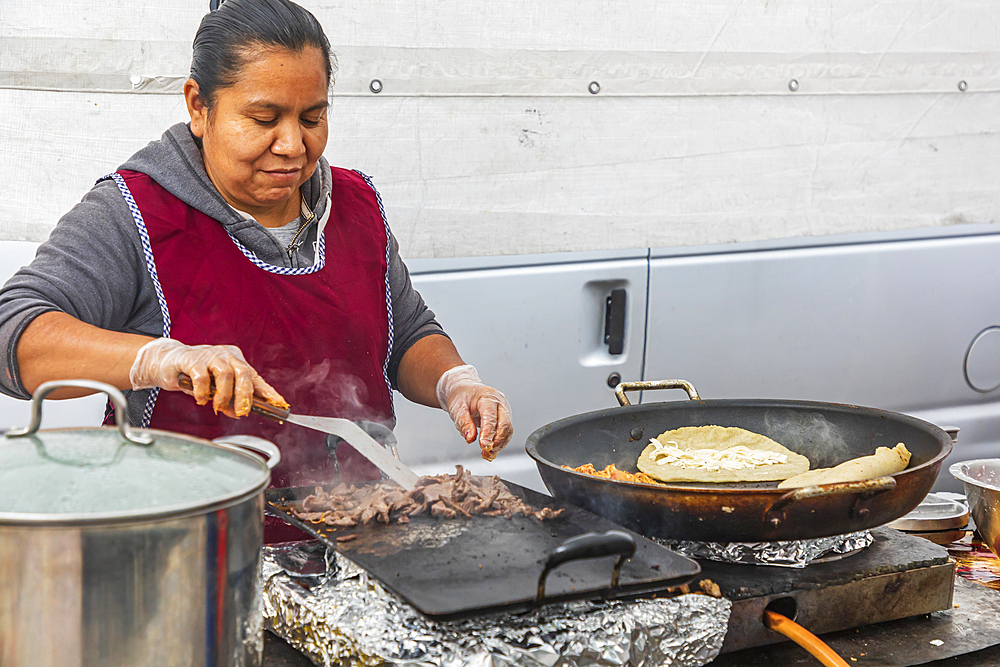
(720, 438)
(883, 462)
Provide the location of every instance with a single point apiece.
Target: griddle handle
(589, 545)
(259, 405)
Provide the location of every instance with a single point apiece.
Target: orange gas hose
(803, 638)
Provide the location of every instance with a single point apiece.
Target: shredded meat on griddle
(447, 496)
(611, 472)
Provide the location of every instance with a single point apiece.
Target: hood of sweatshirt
(174, 161)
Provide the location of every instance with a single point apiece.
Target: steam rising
(810, 433)
(325, 389)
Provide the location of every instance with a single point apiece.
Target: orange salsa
(611, 472)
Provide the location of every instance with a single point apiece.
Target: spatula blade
(366, 445)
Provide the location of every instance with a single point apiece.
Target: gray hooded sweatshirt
(92, 266)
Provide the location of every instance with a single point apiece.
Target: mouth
(283, 175)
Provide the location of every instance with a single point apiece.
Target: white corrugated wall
(715, 120)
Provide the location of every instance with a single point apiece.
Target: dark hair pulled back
(228, 37)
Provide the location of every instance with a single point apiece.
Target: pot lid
(120, 473)
(935, 512)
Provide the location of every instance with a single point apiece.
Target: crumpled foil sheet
(340, 615)
(791, 553)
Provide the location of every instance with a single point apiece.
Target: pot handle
(116, 397)
(266, 448)
(775, 515)
(589, 545)
(656, 384)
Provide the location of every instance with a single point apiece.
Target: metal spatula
(366, 445)
(345, 429)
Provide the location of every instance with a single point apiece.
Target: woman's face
(263, 136)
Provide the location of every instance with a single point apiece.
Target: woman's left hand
(472, 405)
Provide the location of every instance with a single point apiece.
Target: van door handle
(614, 321)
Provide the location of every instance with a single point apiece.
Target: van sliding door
(910, 325)
(548, 335)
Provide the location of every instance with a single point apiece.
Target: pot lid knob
(116, 397)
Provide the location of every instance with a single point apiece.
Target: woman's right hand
(160, 362)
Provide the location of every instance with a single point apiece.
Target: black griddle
(451, 569)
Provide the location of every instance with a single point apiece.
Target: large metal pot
(826, 433)
(129, 547)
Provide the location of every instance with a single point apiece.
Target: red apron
(320, 335)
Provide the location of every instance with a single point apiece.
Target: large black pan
(826, 433)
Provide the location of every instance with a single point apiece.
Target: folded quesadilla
(718, 454)
(883, 462)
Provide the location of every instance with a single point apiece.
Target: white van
(908, 322)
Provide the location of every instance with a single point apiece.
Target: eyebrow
(271, 106)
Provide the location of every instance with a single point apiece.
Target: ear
(196, 107)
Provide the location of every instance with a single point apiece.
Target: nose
(288, 139)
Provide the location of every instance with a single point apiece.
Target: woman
(232, 252)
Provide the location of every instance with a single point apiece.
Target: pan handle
(775, 515)
(655, 384)
(589, 545)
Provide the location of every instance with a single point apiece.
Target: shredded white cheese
(734, 458)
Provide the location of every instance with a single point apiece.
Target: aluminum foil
(334, 613)
(791, 553)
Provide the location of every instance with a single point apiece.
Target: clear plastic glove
(160, 362)
(472, 405)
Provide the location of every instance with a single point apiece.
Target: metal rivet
(375, 86)
(963, 86)
(793, 85)
(614, 380)
(594, 87)
(635, 433)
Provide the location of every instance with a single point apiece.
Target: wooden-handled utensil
(259, 405)
(350, 432)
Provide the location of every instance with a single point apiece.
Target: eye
(264, 122)
(311, 122)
